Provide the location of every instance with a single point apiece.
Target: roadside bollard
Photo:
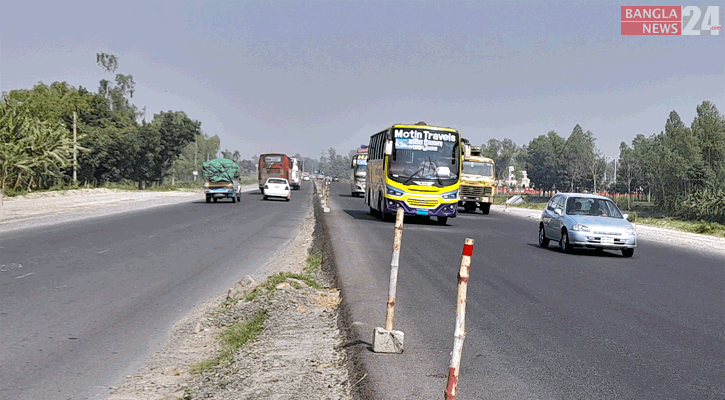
(460, 332)
(387, 340)
(2, 210)
(326, 190)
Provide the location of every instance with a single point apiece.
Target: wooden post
(397, 239)
(460, 332)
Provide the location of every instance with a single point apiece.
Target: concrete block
(326, 209)
(385, 341)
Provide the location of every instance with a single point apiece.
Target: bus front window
(437, 165)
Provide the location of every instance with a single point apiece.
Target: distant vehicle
(359, 165)
(273, 166)
(306, 178)
(586, 220)
(295, 174)
(335, 179)
(221, 177)
(278, 188)
(477, 180)
(415, 167)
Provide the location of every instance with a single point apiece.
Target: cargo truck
(478, 180)
(221, 180)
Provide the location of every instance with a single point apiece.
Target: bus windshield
(361, 168)
(478, 168)
(425, 156)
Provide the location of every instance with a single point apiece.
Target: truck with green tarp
(221, 180)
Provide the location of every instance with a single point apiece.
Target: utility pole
(75, 151)
(615, 171)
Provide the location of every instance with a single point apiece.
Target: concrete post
(460, 331)
(2, 209)
(388, 340)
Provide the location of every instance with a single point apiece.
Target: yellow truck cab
(478, 181)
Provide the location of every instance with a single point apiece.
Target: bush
(632, 216)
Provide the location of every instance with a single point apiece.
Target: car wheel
(486, 208)
(627, 252)
(564, 242)
(543, 240)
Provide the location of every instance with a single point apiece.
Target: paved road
(540, 324)
(84, 304)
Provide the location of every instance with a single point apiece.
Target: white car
(277, 187)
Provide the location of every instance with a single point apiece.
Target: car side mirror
(388, 147)
(625, 216)
(558, 211)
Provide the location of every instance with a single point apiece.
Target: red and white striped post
(460, 332)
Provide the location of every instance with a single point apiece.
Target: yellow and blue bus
(416, 167)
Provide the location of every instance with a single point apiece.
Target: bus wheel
(442, 220)
(486, 208)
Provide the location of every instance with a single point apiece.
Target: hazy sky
(303, 76)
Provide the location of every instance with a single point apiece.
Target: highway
(540, 324)
(83, 304)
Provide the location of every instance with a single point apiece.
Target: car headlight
(579, 227)
(630, 231)
(450, 196)
(393, 192)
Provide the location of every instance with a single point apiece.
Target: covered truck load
(221, 176)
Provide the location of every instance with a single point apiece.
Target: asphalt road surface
(84, 304)
(540, 324)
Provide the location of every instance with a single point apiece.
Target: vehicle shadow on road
(359, 214)
(580, 251)
(409, 219)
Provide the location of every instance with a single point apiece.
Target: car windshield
(280, 181)
(477, 168)
(592, 206)
(425, 156)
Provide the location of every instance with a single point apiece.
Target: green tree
(544, 161)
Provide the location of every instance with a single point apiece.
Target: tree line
(681, 169)
(114, 143)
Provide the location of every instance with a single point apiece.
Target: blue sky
(303, 76)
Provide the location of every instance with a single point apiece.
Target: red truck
(273, 165)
